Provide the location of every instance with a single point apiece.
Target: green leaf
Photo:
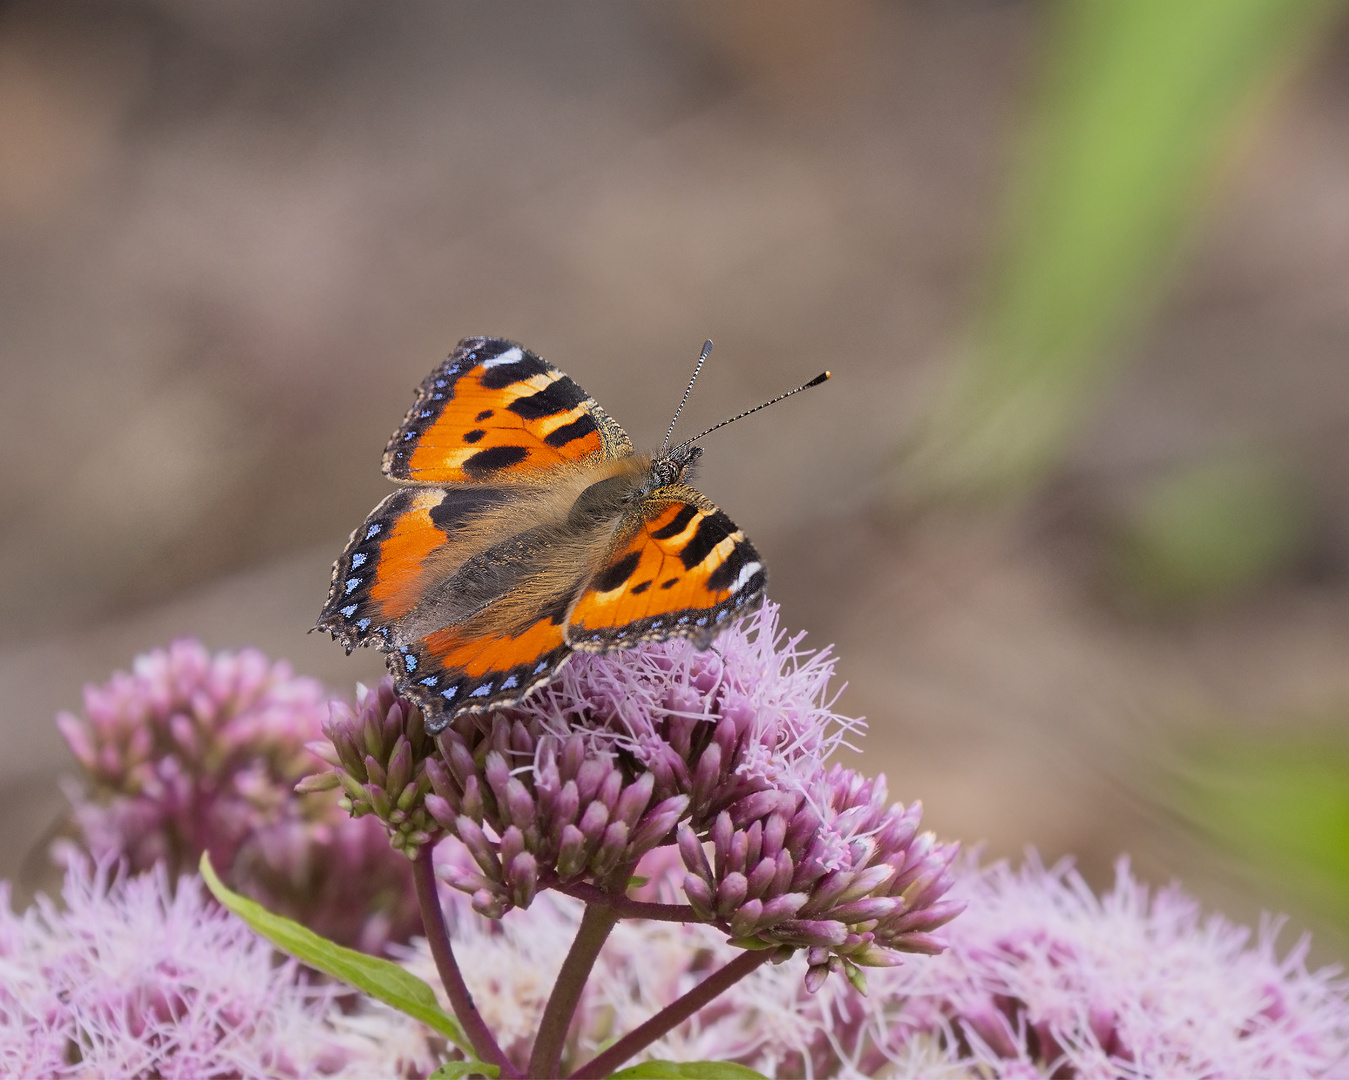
(687, 1070)
(381, 979)
(455, 1070)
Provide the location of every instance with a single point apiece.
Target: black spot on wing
(611, 577)
(579, 428)
(640, 587)
(486, 414)
(711, 531)
(559, 396)
(485, 462)
(502, 376)
(474, 435)
(669, 584)
(677, 524)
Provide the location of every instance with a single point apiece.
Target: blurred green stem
(1138, 101)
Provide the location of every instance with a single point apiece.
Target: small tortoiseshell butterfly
(526, 529)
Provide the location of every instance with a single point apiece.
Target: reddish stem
(679, 1010)
(591, 935)
(626, 908)
(461, 1001)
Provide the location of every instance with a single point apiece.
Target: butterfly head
(669, 468)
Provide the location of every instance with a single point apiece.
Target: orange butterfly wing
(681, 569)
(453, 670)
(380, 581)
(496, 411)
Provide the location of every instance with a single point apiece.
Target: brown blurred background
(234, 238)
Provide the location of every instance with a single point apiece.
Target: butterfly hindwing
(384, 550)
(455, 669)
(496, 411)
(682, 568)
(380, 582)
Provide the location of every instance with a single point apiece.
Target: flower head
(843, 874)
(192, 751)
(1041, 978)
(722, 751)
(576, 816)
(378, 755)
(130, 977)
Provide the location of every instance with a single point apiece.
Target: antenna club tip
(823, 376)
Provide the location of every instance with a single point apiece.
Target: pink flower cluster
(1045, 978)
(703, 773)
(192, 751)
(380, 756)
(130, 977)
(723, 751)
(1041, 979)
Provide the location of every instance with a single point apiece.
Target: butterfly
(526, 529)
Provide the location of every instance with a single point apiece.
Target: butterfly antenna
(702, 359)
(821, 377)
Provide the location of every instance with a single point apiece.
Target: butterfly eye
(671, 469)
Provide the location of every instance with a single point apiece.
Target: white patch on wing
(538, 382)
(510, 356)
(746, 572)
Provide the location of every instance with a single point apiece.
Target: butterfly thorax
(630, 480)
(536, 554)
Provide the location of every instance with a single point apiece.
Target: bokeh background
(1074, 510)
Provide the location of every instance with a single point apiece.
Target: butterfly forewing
(681, 568)
(496, 411)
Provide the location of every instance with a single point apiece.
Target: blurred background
(1074, 509)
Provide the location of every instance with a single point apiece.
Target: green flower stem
(679, 1010)
(461, 1001)
(596, 923)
